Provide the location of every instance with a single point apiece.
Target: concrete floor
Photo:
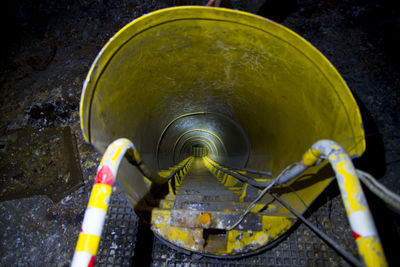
(48, 52)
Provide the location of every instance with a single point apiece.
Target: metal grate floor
(121, 246)
(119, 235)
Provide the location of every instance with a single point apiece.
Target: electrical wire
(345, 254)
(379, 189)
(265, 190)
(251, 206)
(304, 204)
(241, 177)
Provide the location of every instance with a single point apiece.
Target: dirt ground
(47, 52)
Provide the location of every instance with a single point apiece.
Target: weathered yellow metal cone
(241, 89)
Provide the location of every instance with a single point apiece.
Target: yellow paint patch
(136, 155)
(225, 179)
(147, 181)
(262, 179)
(242, 196)
(239, 240)
(204, 219)
(371, 251)
(165, 204)
(170, 197)
(109, 158)
(310, 157)
(99, 195)
(335, 147)
(160, 216)
(257, 207)
(275, 225)
(230, 181)
(234, 188)
(188, 238)
(170, 188)
(352, 187)
(88, 243)
(164, 173)
(85, 136)
(116, 67)
(117, 153)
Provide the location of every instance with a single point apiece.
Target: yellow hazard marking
(310, 157)
(238, 240)
(371, 251)
(275, 225)
(171, 190)
(352, 187)
(204, 219)
(244, 192)
(99, 195)
(189, 238)
(117, 153)
(88, 243)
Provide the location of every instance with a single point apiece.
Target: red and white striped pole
(95, 215)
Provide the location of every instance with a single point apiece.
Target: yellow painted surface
(244, 191)
(311, 157)
(234, 188)
(275, 225)
(230, 181)
(191, 239)
(170, 197)
(274, 84)
(239, 240)
(100, 193)
(160, 216)
(262, 179)
(164, 173)
(117, 153)
(136, 155)
(88, 243)
(275, 76)
(257, 207)
(166, 204)
(179, 176)
(107, 159)
(223, 180)
(353, 189)
(371, 252)
(113, 153)
(305, 194)
(204, 219)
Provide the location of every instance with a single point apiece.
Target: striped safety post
(95, 214)
(355, 203)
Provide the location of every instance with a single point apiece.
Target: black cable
(345, 254)
(305, 205)
(258, 172)
(241, 177)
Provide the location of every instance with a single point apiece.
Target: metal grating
(119, 235)
(301, 248)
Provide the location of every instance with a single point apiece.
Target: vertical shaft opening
(228, 86)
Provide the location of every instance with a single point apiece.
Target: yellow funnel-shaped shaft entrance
(248, 91)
